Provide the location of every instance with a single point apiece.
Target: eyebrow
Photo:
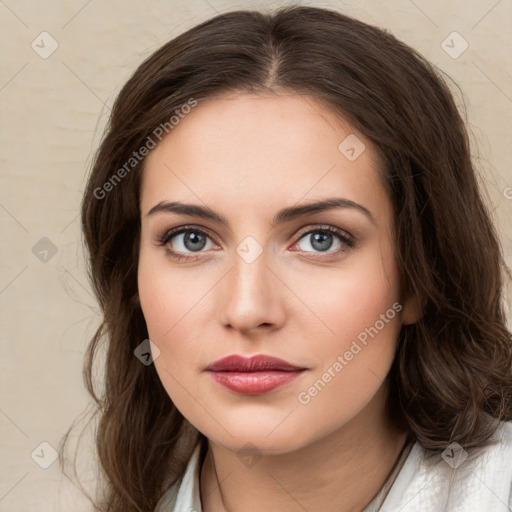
(282, 216)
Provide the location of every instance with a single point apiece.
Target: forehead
(265, 149)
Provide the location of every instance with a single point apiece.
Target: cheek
(156, 302)
(173, 304)
(166, 295)
(352, 297)
(361, 308)
(359, 304)
(167, 302)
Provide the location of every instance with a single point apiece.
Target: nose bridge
(249, 272)
(252, 290)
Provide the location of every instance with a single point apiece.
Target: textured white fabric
(481, 483)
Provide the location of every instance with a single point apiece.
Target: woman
(285, 205)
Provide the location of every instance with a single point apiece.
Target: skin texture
(247, 156)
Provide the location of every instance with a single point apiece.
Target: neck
(343, 471)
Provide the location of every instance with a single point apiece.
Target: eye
(187, 242)
(322, 240)
(180, 241)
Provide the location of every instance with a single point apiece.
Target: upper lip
(259, 363)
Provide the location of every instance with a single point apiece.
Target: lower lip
(255, 383)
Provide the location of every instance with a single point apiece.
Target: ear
(412, 310)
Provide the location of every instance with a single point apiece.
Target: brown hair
(452, 376)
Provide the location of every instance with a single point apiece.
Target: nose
(252, 296)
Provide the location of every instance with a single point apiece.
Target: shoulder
(456, 480)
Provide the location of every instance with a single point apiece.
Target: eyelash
(163, 240)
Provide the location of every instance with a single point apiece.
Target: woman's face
(264, 282)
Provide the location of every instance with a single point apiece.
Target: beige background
(53, 111)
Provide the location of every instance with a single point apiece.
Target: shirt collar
(189, 496)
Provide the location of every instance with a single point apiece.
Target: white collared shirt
(443, 483)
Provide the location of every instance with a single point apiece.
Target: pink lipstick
(255, 375)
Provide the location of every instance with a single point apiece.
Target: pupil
(321, 241)
(196, 241)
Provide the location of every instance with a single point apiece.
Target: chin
(260, 439)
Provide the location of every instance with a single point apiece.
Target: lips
(258, 363)
(253, 376)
